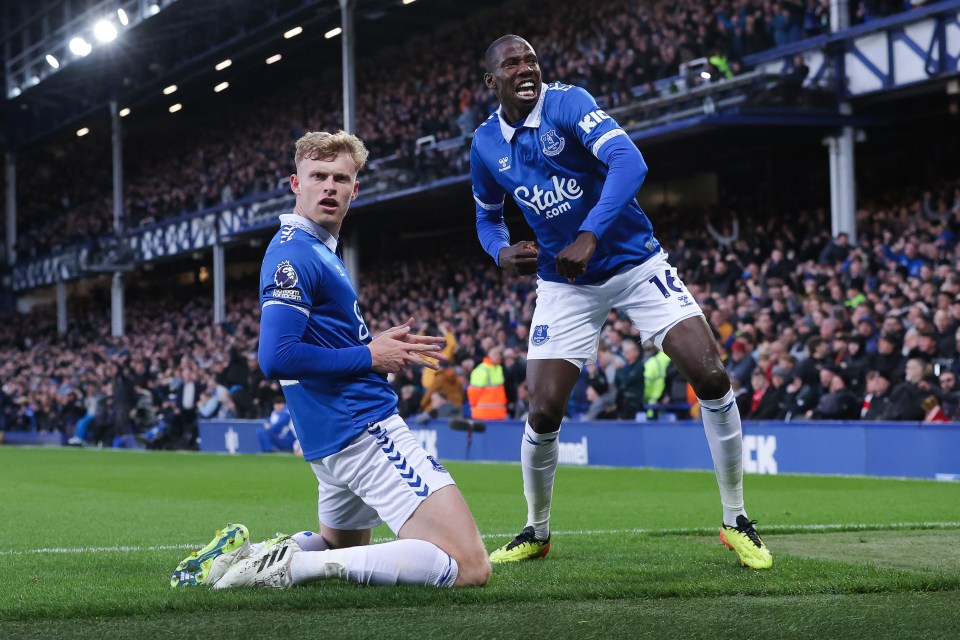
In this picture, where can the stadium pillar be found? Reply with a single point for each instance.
(349, 240)
(61, 308)
(349, 79)
(10, 171)
(843, 189)
(116, 289)
(219, 285)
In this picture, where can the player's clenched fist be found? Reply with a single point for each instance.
(572, 260)
(519, 258)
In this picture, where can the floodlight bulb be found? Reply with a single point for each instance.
(168, 90)
(124, 112)
(175, 107)
(52, 61)
(223, 65)
(274, 58)
(80, 47)
(333, 33)
(293, 32)
(220, 87)
(705, 75)
(122, 16)
(153, 9)
(82, 132)
(104, 31)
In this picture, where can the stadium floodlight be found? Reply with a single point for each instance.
(82, 132)
(80, 47)
(175, 107)
(220, 87)
(409, 1)
(274, 58)
(14, 92)
(705, 75)
(333, 33)
(223, 65)
(33, 81)
(153, 9)
(293, 32)
(124, 112)
(168, 90)
(104, 31)
(52, 61)
(122, 17)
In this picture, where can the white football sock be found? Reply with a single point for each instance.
(415, 562)
(721, 422)
(539, 453)
(310, 541)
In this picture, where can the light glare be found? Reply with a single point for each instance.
(223, 65)
(53, 62)
(104, 31)
(122, 16)
(168, 90)
(220, 87)
(82, 132)
(124, 112)
(175, 107)
(275, 58)
(80, 47)
(333, 33)
(293, 32)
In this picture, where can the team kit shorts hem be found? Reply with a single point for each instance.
(383, 475)
(568, 318)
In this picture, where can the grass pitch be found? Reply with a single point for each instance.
(88, 540)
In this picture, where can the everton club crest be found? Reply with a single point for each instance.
(552, 143)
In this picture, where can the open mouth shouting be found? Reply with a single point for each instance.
(527, 90)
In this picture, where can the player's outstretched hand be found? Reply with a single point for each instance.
(519, 258)
(391, 351)
(572, 261)
(412, 338)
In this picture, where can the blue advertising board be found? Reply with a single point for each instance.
(894, 449)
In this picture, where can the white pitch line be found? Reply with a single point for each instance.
(800, 528)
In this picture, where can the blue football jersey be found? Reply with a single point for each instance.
(550, 166)
(300, 270)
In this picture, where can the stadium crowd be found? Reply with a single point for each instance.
(430, 87)
(812, 327)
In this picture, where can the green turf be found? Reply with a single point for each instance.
(635, 553)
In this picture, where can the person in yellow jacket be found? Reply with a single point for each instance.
(654, 377)
(427, 377)
(486, 393)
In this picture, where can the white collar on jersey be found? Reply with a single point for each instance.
(532, 121)
(311, 227)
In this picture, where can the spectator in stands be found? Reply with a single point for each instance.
(839, 402)
(949, 394)
(488, 398)
(741, 363)
(655, 364)
(629, 382)
(906, 399)
(771, 403)
(277, 433)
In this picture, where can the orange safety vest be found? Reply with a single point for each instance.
(487, 395)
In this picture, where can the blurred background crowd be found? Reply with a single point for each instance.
(811, 327)
(429, 89)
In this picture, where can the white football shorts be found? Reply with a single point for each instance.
(568, 318)
(382, 476)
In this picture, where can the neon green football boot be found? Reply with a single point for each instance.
(206, 566)
(524, 547)
(744, 539)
